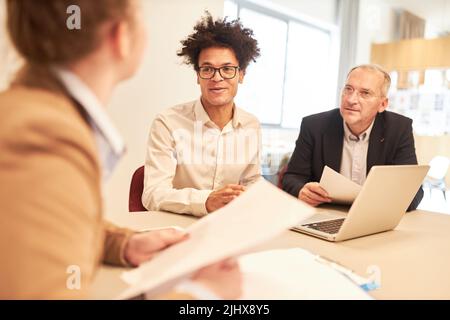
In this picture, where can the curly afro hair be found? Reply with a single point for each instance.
(220, 33)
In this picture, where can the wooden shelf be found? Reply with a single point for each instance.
(414, 54)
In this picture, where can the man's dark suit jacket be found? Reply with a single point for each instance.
(320, 143)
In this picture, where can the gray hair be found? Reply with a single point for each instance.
(378, 68)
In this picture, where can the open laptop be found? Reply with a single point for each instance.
(379, 206)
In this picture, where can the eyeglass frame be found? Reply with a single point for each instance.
(236, 68)
(359, 93)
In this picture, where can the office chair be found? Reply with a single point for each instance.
(281, 173)
(283, 168)
(435, 178)
(136, 189)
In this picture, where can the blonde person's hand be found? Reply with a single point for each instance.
(219, 198)
(313, 194)
(143, 246)
(224, 279)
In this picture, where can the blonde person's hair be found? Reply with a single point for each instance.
(378, 68)
(38, 29)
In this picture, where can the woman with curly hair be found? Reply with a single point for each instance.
(202, 154)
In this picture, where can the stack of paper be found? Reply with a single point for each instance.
(259, 214)
(295, 274)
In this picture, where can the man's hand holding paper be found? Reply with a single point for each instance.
(313, 194)
(339, 188)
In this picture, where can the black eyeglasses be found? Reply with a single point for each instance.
(226, 72)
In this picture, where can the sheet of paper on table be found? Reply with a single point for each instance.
(297, 274)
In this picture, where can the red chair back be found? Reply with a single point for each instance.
(136, 189)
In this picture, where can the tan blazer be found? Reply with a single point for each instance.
(51, 220)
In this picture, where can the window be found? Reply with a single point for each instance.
(296, 74)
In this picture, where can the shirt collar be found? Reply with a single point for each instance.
(237, 117)
(202, 115)
(93, 107)
(364, 136)
(110, 145)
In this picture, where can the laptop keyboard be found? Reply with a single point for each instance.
(330, 226)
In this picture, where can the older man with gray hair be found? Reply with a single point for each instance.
(351, 139)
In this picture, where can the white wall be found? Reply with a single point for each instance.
(162, 82)
(376, 25)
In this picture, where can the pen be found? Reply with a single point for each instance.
(364, 283)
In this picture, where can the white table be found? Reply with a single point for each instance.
(414, 259)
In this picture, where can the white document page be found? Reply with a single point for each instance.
(339, 188)
(258, 215)
(294, 274)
